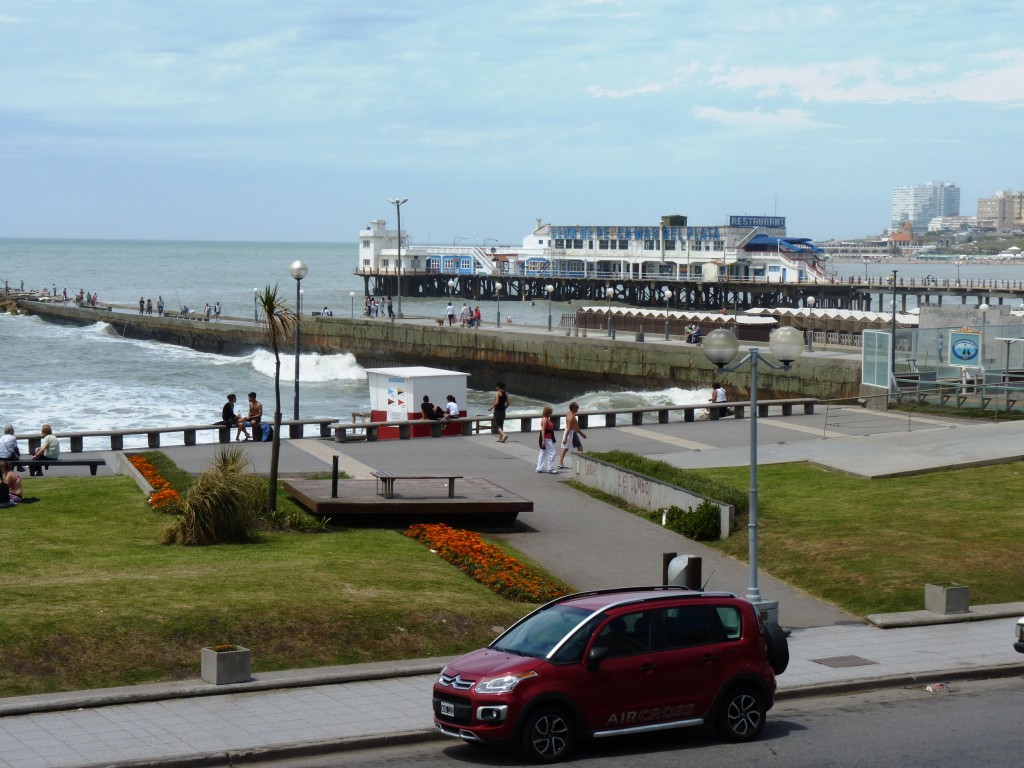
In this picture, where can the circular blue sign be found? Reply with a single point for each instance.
(965, 349)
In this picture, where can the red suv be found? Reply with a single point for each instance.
(613, 662)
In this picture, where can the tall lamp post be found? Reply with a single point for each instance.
(865, 270)
(255, 306)
(609, 292)
(550, 290)
(786, 344)
(666, 292)
(810, 331)
(497, 298)
(352, 302)
(958, 263)
(398, 202)
(892, 350)
(298, 270)
(451, 289)
(983, 308)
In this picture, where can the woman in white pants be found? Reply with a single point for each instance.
(547, 443)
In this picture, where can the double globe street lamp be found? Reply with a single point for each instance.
(298, 270)
(720, 347)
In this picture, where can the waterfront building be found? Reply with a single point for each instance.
(743, 248)
(921, 203)
(1002, 212)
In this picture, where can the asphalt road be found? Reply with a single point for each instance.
(975, 723)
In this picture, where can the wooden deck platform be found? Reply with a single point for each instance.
(477, 503)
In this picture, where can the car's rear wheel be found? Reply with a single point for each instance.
(548, 735)
(742, 714)
(778, 647)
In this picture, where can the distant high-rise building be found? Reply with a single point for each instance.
(922, 203)
(1001, 212)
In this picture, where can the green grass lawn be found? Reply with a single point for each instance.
(92, 599)
(870, 546)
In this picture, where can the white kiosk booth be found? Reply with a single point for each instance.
(396, 394)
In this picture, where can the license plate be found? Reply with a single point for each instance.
(447, 709)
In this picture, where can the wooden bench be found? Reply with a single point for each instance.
(386, 482)
(92, 464)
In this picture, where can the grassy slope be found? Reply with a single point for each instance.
(91, 599)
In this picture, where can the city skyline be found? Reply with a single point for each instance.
(267, 122)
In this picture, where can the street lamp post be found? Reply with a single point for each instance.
(497, 298)
(667, 293)
(810, 332)
(983, 308)
(451, 289)
(892, 349)
(609, 292)
(255, 305)
(958, 263)
(352, 301)
(721, 348)
(398, 202)
(550, 290)
(298, 270)
(865, 270)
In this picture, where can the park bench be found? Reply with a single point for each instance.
(92, 464)
(386, 482)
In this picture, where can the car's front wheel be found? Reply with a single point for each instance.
(742, 714)
(548, 735)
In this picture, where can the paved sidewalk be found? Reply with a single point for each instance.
(207, 724)
(587, 543)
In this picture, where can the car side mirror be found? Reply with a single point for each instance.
(596, 656)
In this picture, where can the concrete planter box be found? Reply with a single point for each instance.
(947, 598)
(642, 491)
(224, 667)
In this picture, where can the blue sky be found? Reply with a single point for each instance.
(261, 120)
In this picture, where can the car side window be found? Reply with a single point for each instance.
(732, 624)
(625, 635)
(688, 625)
(572, 649)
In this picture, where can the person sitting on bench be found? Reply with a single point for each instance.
(49, 449)
(693, 337)
(429, 410)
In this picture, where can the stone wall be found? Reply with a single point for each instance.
(535, 364)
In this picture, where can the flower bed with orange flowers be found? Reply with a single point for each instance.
(488, 564)
(163, 498)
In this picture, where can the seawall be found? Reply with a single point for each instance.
(529, 359)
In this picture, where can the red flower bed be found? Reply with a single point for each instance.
(163, 498)
(488, 564)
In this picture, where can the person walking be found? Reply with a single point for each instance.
(391, 309)
(142, 305)
(160, 306)
(572, 435)
(546, 442)
(498, 407)
(450, 314)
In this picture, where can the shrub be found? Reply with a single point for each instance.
(700, 524)
(222, 506)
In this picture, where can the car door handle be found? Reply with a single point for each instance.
(648, 667)
(707, 658)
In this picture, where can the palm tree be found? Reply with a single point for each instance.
(279, 321)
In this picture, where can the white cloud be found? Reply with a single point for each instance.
(874, 81)
(778, 121)
(624, 93)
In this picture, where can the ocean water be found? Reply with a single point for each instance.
(90, 378)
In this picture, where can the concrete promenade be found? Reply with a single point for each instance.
(585, 542)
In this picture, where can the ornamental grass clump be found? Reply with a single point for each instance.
(222, 506)
(488, 564)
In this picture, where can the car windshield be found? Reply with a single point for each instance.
(539, 633)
